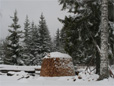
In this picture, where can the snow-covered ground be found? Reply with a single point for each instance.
(26, 79)
(11, 67)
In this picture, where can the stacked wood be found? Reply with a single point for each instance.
(52, 67)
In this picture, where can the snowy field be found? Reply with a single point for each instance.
(27, 79)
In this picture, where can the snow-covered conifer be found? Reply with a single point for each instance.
(45, 39)
(13, 55)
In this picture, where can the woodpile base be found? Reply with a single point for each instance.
(52, 67)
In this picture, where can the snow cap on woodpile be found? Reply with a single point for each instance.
(57, 55)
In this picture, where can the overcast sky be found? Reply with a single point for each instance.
(33, 8)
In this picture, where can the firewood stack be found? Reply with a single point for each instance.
(57, 66)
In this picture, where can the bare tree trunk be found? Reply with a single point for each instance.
(97, 63)
(104, 40)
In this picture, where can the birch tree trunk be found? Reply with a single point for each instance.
(104, 40)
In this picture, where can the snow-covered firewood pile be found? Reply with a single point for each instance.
(57, 64)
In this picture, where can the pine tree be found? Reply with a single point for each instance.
(26, 41)
(45, 39)
(30, 46)
(58, 42)
(27, 31)
(13, 47)
(35, 45)
(32, 55)
(33, 35)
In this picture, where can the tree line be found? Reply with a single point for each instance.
(28, 47)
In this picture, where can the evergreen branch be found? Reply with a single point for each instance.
(98, 48)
